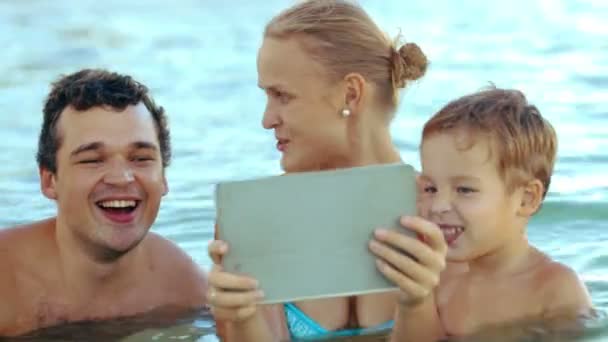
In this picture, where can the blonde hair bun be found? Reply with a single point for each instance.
(410, 64)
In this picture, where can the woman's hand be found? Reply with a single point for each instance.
(232, 297)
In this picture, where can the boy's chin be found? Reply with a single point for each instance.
(457, 255)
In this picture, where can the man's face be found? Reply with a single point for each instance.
(109, 179)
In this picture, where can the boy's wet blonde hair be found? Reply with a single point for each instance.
(525, 142)
(343, 38)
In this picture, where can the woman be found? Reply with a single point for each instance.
(332, 79)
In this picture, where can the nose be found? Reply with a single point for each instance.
(271, 118)
(441, 203)
(119, 174)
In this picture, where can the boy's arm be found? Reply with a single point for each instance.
(417, 323)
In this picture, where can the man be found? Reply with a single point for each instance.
(103, 149)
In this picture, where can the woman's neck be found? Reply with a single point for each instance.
(375, 147)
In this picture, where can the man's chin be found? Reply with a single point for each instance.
(115, 249)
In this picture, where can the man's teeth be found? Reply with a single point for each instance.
(118, 204)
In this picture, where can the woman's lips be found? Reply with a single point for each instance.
(282, 144)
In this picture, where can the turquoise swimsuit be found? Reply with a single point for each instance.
(302, 327)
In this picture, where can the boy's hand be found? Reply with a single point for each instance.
(232, 297)
(411, 264)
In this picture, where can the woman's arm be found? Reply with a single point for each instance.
(234, 302)
(267, 324)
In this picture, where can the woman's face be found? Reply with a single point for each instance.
(303, 107)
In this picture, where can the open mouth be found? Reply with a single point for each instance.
(119, 211)
(282, 144)
(451, 232)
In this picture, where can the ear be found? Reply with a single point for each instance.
(47, 183)
(531, 199)
(355, 89)
(165, 185)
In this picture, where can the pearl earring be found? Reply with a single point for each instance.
(345, 112)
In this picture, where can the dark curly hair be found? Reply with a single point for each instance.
(90, 88)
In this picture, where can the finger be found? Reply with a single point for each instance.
(416, 249)
(233, 299)
(229, 281)
(216, 250)
(230, 314)
(405, 264)
(407, 285)
(431, 231)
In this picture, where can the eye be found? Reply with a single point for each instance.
(283, 97)
(90, 161)
(430, 189)
(142, 159)
(465, 190)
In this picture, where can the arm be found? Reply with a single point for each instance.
(267, 324)
(417, 322)
(234, 301)
(415, 267)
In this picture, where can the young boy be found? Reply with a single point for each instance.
(487, 160)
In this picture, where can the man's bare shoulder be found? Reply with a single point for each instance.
(8, 295)
(563, 291)
(179, 268)
(30, 234)
(8, 286)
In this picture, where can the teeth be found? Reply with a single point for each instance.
(452, 230)
(117, 204)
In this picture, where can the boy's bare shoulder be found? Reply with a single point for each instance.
(177, 266)
(563, 291)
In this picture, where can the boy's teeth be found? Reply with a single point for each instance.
(452, 230)
(118, 204)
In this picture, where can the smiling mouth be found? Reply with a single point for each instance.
(451, 232)
(118, 207)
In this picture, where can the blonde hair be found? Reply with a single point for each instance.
(344, 39)
(526, 143)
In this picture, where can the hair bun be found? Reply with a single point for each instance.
(409, 64)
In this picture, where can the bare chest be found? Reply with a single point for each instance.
(43, 306)
(465, 307)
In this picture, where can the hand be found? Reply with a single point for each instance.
(413, 265)
(232, 297)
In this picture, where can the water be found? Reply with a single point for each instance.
(198, 57)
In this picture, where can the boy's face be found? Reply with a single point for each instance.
(465, 195)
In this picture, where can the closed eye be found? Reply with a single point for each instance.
(89, 161)
(143, 159)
